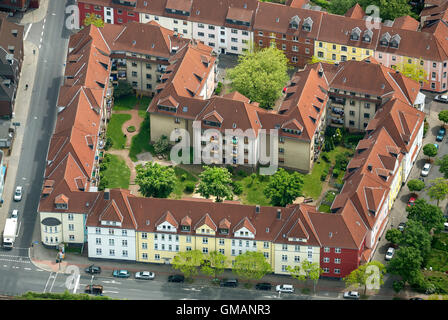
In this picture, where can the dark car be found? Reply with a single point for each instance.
(176, 278)
(401, 226)
(233, 283)
(93, 269)
(121, 273)
(263, 286)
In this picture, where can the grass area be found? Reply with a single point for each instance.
(115, 173)
(60, 296)
(438, 256)
(140, 142)
(115, 132)
(325, 208)
(253, 189)
(183, 178)
(312, 186)
(129, 102)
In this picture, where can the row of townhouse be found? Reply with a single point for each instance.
(11, 59)
(232, 26)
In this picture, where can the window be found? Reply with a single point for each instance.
(266, 255)
(283, 46)
(71, 237)
(70, 216)
(266, 245)
(294, 59)
(234, 48)
(157, 256)
(111, 252)
(175, 21)
(111, 242)
(204, 250)
(337, 260)
(98, 251)
(326, 260)
(294, 48)
(344, 48)
(366, 115)
(221, 242)
(351, 122)
(234, 31)
(97, 230)
(124, 233)
(260, 42)
(211, 36)
(221, 251)
(71, 227)
(326, 270)
(200, 34)
(337, 271)
(144, 256)
(188, 239)
(211, 27)
(284, 247)
(284, 268)
(434, 64)
(125, 253)
(295, 39)
(337, 250)
(233, 252)
(204, 240)
(144, 235)
(433, 75)
(247, 244)
(333, 57)
(352, 113)
(307, 51)
(124, 243)
(200, 25)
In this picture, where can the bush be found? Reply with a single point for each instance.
(218, 89)
(306, 290)
(425, 128)
(183, 177)
(335, 173)
(325, 157)
(237, 188)
(189, 187)
(131, 129)
(108, 143)
(398, 286)
(323, 177)
(242, 173)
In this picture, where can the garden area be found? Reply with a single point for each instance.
(114, 173)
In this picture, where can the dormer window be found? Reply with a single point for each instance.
(294, 22)
(356, 34)
(385, 40)
(185, 228)
(395, 41)
(223, 231)
(368, 34)
(307, 24)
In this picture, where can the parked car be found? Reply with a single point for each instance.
(94, 289)
(416, 298)
(176, 278)
(263, 286)
(440, 134)
(284, 288)
(425, 170)
(411, 201)
(121, 273)
(401, 226)
(18, 193)
(441, 98)
(390, 253)
(93, 269)
(15, 213)
(351, 295)
(233, 283)
(145, 275)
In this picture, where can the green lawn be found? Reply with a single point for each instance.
(125, 103)
(253, 190)
(140, 142)
(116, 173)
(114, 130)
(183, 177)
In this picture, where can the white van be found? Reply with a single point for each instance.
(15, 214)
(284, 288)
(446, 226)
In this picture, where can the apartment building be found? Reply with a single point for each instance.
(110, 11)
(356, 98)
(18, 5)
(72, 159)
(11, 58)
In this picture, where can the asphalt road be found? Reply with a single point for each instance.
(51, 36)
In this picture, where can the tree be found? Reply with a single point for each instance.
(122, 89)
(251, 265)
(413, 71)
(188, 262)
(388, 9)
(430, 150)
(406, 263)
(155, 180)
(92, 19)
(415, 235)
(260, 76)
(394, 236)
(306, 271)
(443, 116)
(215, 182)
(438, 190)
(443, 163)
(162, 145)
(416, 185)
(284, 188)
(365, 275)
(214, 264)
(429, 215)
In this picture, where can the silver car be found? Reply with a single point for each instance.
(390, 253)
(18, 193)
(145, 275)
(425, 170)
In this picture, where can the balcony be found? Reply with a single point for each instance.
(161, 68)
(338, 100)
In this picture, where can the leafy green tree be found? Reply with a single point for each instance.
(406, 263)
(260, 76)
(443, 163)
(251, 265)
(123, 89)
(188, 262)
(217, 182)
(415, 235)
(284, 188)
(443, 116)
(394, 236)
(214, 264)
(364, 275)
(306, 271)
(438, 189)
(429, 215)
(162, 145)
(430, 150)
(388, 9)
(416, 185)
(413, 71)
(155, 180)
(92, 19)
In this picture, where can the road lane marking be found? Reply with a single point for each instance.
(106, 291)
(54, 281)
(27, 31)
(77, 283)
(49, 277)
(28, 269)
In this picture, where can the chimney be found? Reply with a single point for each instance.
(257, 209)
(369, 167)
(107, 194)
(279, 214)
